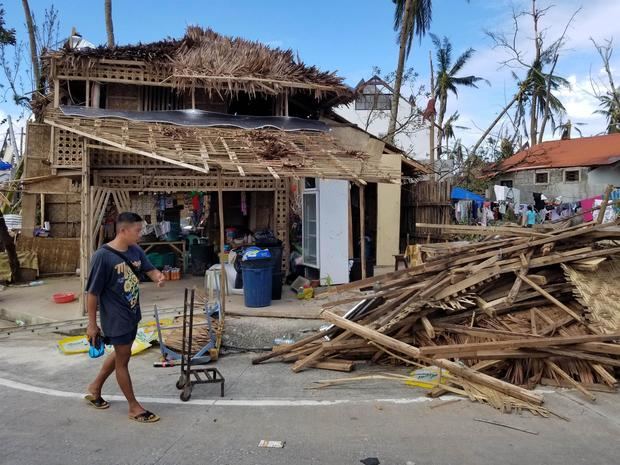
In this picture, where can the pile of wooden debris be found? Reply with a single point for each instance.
(501, 316)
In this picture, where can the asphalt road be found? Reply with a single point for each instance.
(44, 420)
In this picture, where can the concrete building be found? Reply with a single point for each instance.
(573, 169)
(371, 109)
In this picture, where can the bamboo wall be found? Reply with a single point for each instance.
(424, 202)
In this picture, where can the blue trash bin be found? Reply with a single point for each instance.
(257, 268)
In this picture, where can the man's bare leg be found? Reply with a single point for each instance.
(123, 354)
(104, 373)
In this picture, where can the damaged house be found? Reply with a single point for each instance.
(220, 135)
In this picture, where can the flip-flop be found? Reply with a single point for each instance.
(96, 402)
(145, 417)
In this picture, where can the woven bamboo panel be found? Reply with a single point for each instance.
(113, 159)
(68, 149)
(139, 73)
(282, 216)
(161, 182)
(599, 293)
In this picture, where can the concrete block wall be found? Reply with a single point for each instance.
(591, 183)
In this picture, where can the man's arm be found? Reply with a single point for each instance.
(157, 277)
(91, 306)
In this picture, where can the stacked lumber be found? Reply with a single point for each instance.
(500, 315)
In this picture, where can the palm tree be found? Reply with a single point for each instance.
(411, 18)
(447, 81)
(536, 97)
(109, 27)
(34, 56)
(611, 110)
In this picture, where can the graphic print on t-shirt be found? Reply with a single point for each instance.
(130, 283)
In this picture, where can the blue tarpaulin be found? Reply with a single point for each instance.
(459, 193)
(4, 166)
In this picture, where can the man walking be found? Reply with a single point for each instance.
(113, 286)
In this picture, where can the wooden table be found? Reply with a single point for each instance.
(176, 246)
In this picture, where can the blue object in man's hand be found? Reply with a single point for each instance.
(97, 347)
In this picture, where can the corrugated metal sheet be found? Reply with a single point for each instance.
(200, 118)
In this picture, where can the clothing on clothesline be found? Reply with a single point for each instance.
(539, 204)
(588, 204)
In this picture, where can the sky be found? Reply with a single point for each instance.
(351, 37)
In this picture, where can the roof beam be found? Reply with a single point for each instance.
(233, 157)
(120, 146)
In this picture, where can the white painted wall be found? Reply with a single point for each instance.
(604, 175)
(414, 143)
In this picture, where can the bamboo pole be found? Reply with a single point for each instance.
(601, 213)
(362, 232)
(85, 230)
(220, 206)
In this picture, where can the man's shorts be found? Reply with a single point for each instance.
(123, 339)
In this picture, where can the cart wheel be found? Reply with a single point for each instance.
(186, 394)
(181, 382)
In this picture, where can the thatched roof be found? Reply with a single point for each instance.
(204, 58)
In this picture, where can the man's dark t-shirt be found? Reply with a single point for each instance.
(117, 289)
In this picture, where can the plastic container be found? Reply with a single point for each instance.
(275, 249)
(156, 259)
(64, 297)
(276, 286)
(257, 282)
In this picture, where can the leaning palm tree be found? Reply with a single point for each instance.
(447, 81)
(411, 18)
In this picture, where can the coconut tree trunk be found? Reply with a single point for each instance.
(495, 121)
(109, 26)
(399, 72)
(9, 247)
(536, 92)
(32, 38)
(443, 103)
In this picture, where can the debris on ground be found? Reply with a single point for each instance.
(498, 317)
(271, 444)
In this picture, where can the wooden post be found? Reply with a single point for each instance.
(42, 211)
(87, 101)
(85, 235)
(362, 232)
(601, 212)
(220, 207)
(56, 93)
(351, 253)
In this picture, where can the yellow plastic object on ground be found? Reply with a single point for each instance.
(428, 377)
(306, 294)
(73, 345)
(147, 333)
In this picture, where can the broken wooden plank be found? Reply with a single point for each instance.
(529, 343)
(454, 368)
